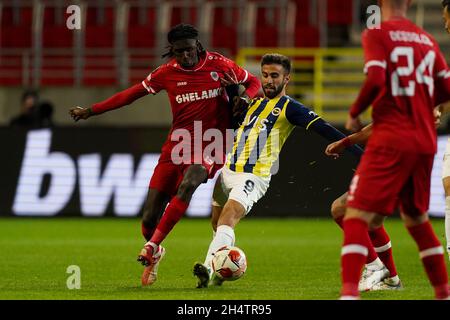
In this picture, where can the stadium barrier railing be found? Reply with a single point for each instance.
(325, 79)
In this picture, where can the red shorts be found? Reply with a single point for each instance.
(167, 175)
(387, 177)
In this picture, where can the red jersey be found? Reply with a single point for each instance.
(414, 69)
(197, 94)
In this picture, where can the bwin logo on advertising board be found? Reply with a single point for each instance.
(96, 190)
(119, 179)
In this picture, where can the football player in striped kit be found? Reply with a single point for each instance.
(249, 166)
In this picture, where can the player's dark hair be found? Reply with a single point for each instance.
(276, 58)
(181, 32)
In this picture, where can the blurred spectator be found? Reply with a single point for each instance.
(34, 113)
(44, 114)
(27, 116)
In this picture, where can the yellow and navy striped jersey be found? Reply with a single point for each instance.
(267, 125)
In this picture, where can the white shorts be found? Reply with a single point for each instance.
(245, 188)
(446, 163)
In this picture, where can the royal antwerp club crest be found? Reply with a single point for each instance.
(214, 76)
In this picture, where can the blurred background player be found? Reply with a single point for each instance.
(379, 272)
(193, 79)
(404, 67)
(445, 108)
(446, 14)
(246, 175)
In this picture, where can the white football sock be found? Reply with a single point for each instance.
(447, 222)
(224, 236)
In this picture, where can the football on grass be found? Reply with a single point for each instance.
(229, 263)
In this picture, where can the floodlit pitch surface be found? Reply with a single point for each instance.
(287, 259)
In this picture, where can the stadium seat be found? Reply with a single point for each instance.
(302, 13)
(339, 12)
(57, 41)
(15, 39)
(306, 36)
(224, 31)
(141, 41)
(142, 27)
(266, 27)
(16, 24)
(183, 14)
(99, 61)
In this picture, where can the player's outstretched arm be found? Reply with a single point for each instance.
(299, 115)
(330, 133)
(336, 148)
(118, 100)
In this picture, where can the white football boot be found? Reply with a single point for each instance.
(371, 276)
(393, 283)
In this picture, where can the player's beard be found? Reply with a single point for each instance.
(273, 92)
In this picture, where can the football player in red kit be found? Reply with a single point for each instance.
(195, 81)
(380, 272)
(404, 68)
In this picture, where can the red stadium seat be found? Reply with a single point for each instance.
(16, 24)
(266, 28)
(339, 12)
(142, 41)
(100, 22)
(302, 13)
(307, 36)
(183, 15)
(142, 28)
(99, 61)
(224, 31)
(57, 64)
(15, 39)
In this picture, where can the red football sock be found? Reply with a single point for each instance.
(382, 243)
(173, 213)
(147, 232)
(371, 255)
(432, 255)
(353, 254)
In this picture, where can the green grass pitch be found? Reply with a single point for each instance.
(287, 259)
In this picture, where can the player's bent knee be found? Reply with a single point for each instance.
(187, 189)
(377, 222)
(411, 220)
(337, 209)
